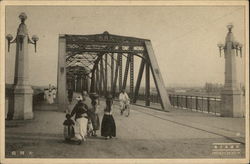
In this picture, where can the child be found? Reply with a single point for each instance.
(108, 128)
(68, 128)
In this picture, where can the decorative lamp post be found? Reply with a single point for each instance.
(22, 88)
(231, 94)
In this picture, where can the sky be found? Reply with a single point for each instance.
(184, 38)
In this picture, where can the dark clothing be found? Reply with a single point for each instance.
(108, 128)
(107, 109)
(68, 122)
(70, 95)
(80, 110)
(69, 131)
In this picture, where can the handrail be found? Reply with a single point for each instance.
(206, 104)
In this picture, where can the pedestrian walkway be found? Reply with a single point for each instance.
(146, 133)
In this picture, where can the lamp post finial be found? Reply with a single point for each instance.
(23, 17)
(230, 26)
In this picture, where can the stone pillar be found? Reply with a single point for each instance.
(9, 106)
(231, 94)
(23, 92)
(61, 74)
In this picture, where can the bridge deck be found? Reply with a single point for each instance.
(146, 133)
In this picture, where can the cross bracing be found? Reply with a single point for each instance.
(104, 64)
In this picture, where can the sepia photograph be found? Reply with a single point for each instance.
(124, 82)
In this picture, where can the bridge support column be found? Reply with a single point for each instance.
(97, 89)
(112, 72)
(83, 83)
(22, 90)
(159, 83)
(116, 76)
(73, 83)
(23, 93)
(231, 94)
(147, 85)
(138, 82)
(125, 78)
(61, 74)
(132, 77)
(120, 72)
(105, 80)
(101, 77)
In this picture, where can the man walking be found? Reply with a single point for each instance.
(124, 101)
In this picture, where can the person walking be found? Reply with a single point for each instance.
(81, 119)
(50, 97)
(94, 117)
(108, 127)
(124, 100)
(87, 101)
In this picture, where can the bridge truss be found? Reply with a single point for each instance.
(94, 63)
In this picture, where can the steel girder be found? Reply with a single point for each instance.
(89, 51)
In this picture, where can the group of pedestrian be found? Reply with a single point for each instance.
(50, 94)
(86, 121)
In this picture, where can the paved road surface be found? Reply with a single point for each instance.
(141, 135)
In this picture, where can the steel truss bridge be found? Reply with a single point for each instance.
(103, 63)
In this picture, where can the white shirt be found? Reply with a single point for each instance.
(53, 93)
(123, 96)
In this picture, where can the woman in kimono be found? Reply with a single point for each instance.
(108, 128)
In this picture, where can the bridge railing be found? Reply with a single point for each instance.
(206, 104)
